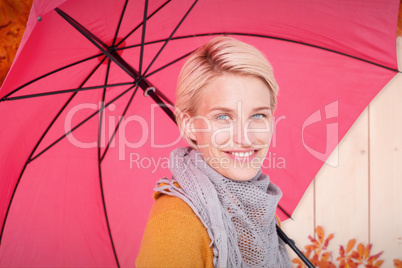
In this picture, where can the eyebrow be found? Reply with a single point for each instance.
(225, 109)
(262, 108)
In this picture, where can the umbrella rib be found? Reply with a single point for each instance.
(170, 37)
(109, 52)
(50, 73)
(118, 25)
(80, 124)
(101, 114)
(112, 54)
(80, 28)
(144, 26)
(139, 25)
(118, 124)
(101, 111)
(37, 145)
(64, 91)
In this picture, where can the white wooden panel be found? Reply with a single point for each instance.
(342, 191)
(386, 172)
(362, 197)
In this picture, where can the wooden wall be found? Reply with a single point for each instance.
(361, 198)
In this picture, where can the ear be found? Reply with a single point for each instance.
(187, 124)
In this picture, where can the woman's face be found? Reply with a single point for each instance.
(232, 127)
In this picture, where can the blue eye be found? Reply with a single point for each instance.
(258, 116)
(222, 117)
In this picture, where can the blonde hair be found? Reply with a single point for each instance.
(221, 55)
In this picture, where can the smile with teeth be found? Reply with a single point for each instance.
(242, 154)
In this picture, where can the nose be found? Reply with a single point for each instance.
(241, 134)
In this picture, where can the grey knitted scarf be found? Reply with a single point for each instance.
(239, 215)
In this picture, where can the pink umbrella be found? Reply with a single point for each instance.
(83, 140)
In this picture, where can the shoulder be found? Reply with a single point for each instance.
(166, 204)
(174, 236)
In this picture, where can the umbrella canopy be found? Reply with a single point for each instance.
(83, 141)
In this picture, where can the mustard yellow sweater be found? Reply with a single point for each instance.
(174, 237)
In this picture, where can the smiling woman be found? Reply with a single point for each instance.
(218, 210)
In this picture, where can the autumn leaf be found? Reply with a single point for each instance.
(354, 256)
(374, 257)
(378, 263)
(320, 233)
(327, 241)
(397, 263)
(325, 256)
(350, 245)
(367, 252)
(320, 257)
(361, 249)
